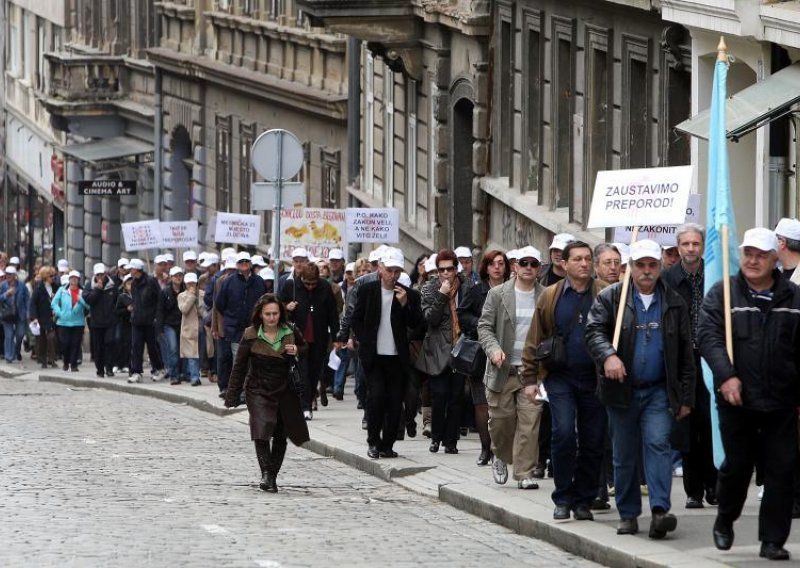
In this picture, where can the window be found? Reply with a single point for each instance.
(247, 135)
(388, 146)
(223, 160)
(562, 103)
(598, 110)
(635, 102)
(41, 48)
(248, 7)
(411, 151)
(369, 124)
(331, 170)
(275, 9)
(504, 115)
(532, 104)
(432, 101)
(13, 42)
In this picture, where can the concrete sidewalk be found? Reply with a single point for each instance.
(455, 479)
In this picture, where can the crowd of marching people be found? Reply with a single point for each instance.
(558, 368)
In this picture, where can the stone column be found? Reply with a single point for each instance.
(92, 220)
(74, 215)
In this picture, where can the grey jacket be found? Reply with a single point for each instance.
(347, 313)
(496, 331)
(435, 353)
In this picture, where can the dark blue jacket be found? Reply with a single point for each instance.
(235, 301)
(144, 292)
(21, 297)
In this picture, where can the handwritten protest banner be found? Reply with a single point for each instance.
(142, 235)
(235, 228)
(179, 234)
(317, 230)
(365, 225)
(662, 234)
(647, 196)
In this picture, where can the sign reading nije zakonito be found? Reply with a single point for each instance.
(366, 225)
(647, 196)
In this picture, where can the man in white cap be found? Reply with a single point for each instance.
(553, 272)
(513, 256)
(101, 296)
(258, 263)
(118, 273)
(144, 302)
(14, 300)
(383, 313)
(464, 256)
(336, 262)
(168, 324)
(63, 266)
(170, 258)
(669, 255)
(757, 392)
(645, 384)
(190, 262)
(161, 271)
(788, 233)
(375, 257)
(300, 258)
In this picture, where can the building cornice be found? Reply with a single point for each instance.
(714, 15)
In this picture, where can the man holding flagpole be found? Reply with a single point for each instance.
(757, 392)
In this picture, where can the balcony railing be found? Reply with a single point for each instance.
(85, 77)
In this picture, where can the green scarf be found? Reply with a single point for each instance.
(283, 331)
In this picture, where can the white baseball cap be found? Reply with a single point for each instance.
(126, 278)
(10, 269)
(645, 248)
(202, 256)
(209, 259)
(405, 280)
(350, 267)
(159, 259)
(175, 270)
(667, 247)
(336, 254)
(760, 238)
(430, 264)
(267, 274)
(374, 256)
(788, 229)
(228, 251)
(99, 268)
(72, 274)
(258, 260)
(463, 252)
(393, 258)
(169, 257)
(63, 265)
(64, 279)
(561, 240)
(122, 262)
(513, 254)
(189, 255)
(529, 252)
(243, 257)
(190, 278)
(299, 252)
(136, 264)
(13, 260)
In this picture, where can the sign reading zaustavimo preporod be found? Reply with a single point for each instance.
(365, 225)
(647, 196)
(235, 228)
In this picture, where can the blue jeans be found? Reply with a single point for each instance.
(646, 424)
(224, 363)
(340, 376)
(12, 340)
(578, 438)
(168, 342)
(193, 369)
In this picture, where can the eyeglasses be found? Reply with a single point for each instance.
(443, 269)
(525, 263)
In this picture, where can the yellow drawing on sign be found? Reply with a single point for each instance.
(325, 233)
(297, 232)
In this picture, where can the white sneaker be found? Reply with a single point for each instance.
(678, 471)
(760, 492)
(528, 483)
(499, 471)
(307, 415)
(135, 378)
(115, 370)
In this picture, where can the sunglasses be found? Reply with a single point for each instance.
(525, 263)
(443, 269)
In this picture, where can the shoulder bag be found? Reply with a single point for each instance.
(467, 357)
(552, 351)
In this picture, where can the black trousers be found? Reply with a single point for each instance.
(311, 369)
(699, 473)
(142, 335)
(746, 434)
(102, 349)
(71, 338)
(386, 389)
(447, 390)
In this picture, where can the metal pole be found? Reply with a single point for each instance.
(276, 218)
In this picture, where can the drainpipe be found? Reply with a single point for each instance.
(158, 126)
(353, 108)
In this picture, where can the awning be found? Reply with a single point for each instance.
(754, 106)
(109, 149)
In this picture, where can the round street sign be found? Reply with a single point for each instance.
(277, 151)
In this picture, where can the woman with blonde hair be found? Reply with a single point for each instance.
(41, 316)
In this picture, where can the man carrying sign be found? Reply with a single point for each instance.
(645, 382)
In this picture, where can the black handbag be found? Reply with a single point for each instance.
(467, 358)
(296, 378)
(8, 310)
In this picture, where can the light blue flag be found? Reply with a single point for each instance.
(719, 212)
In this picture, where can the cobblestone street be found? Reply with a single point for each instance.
(97, 478)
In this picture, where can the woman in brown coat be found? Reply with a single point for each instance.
(265, 354)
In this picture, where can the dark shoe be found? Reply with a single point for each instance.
(323, 397)
(538, 472)
(411, 429)
(373, 452)
(101, 374)
(175, 382)
(265, 482)
(561, 512)
(360, 405)
(772, 551)
(74, 369)
(723, 535)
(273, 486)
(600, 505)
(582, 513)
(711, 496)
(338, 395)
(223, 393)
(463, 431)
(388, 454)
(628, 526)
(661, 523)
(694, 503)
(196, 383)
(434, 447)
(485, 457)
(364, 424)
(450, 450)
(109, 374)
(65, 367)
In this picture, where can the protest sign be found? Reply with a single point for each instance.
(318, 230)
(662, 234)
(365, 225)
(647, 196)
(179, 234)
(236, 228)
(142, 235)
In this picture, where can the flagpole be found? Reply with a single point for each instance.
(623, 297)
(722, 55)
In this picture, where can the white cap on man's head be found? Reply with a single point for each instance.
(189, 255)
(64, 279)
(202, 256)
(227, 251)
(208, 260)
(529, 252)
(136, 264)
(243, 256)
(760, 238)
(404, 279)
(267, 274)
(175, 270)
(72, 274)
(645, 248)
(374, 256)
(14, 260)
(350, 267)
(159, 259)
(513, 254)
(430, 264)
(122, 262)
(336, 254)
(258, 260)
(63, 265)
(190, 278)
(393, 258)
(788, 229)
(561, 240)
(463, 252)
(299, 252)
(11, 269)
(98, 268)
(169, 257)
(126, 278)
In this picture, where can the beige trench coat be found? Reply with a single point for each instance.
(190, 325)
